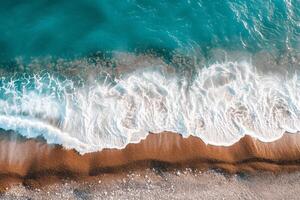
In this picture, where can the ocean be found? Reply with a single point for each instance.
(67, 28)
(172, 99)
(91, 74)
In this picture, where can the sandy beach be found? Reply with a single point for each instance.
(34, 163)
(167, 184)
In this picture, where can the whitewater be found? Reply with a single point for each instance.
(219, 103)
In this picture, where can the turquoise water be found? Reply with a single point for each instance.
(102, 74)
(77, 27)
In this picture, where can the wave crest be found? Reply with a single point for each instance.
(220, 104)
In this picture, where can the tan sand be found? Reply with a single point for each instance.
(23, 160)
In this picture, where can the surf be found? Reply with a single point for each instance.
(219, 103)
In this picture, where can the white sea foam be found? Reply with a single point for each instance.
(220, 104)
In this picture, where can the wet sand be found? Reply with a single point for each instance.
(34, 163)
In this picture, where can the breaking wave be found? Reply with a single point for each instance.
(219, 103)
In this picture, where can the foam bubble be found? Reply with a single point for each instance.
(219, 104)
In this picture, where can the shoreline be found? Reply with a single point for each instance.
(35, 163)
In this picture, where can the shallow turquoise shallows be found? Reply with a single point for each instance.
(65, 27)
(99, 74)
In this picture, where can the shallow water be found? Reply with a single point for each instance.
(34, 28)
(93, 75)
(219, 103)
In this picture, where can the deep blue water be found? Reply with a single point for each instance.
(78, 27)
